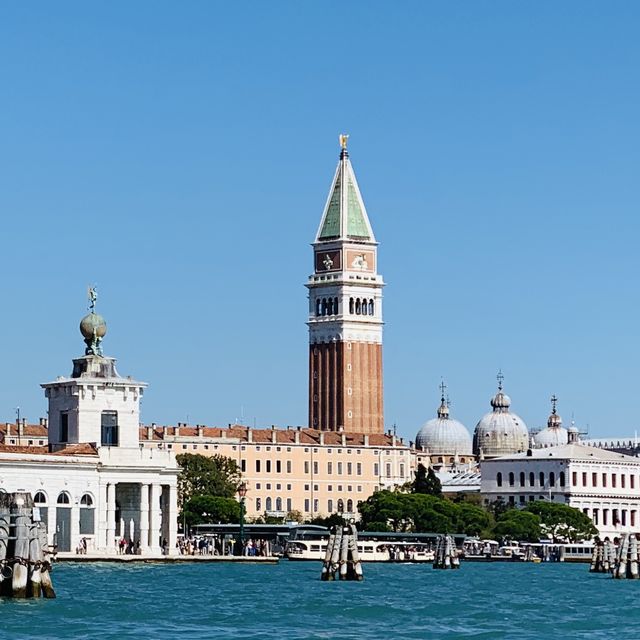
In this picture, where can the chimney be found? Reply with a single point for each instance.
(393, 440)
(366, 439)
(176, 430)
(200, 431)
(321, 438)
(274, 434)
(297, 438)
(343, 439)
(249, 435)
(21, 428)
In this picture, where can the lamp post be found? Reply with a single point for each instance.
(242, 492)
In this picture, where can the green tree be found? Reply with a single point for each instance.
(333, 520)
(518, 525)
(562, 522)
(385, 506)
(426, 482)
(473, 519)
(208, 476)
(205, 509)
(295, 516)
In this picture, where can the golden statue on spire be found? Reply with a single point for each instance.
(344, 138)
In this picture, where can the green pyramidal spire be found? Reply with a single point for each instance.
(345, 216)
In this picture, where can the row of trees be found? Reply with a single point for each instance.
(207, 488)
(420, 507)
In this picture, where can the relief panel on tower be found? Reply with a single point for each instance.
(361, 260)
(328, 261)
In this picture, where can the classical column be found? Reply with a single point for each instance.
(111, 516)
(156, 518)
(144, 518)
(173, 519)
(75, 526)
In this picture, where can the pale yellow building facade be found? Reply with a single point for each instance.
(314, 472)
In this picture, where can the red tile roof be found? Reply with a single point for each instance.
(265, 436)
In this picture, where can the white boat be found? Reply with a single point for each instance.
(369, 551)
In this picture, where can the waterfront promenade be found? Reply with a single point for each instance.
(162, 559)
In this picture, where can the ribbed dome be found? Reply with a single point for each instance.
(500, 432)
(444, 435)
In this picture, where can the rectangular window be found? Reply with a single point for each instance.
(87, 521)
(402, 470)
(257, 466)
(595, 516)
(258, 485)
(288, 487)
(315, 468)
(258, 504)
(64, 426)
(574, 478)
(243, 465)
(376, 469)
(330, 506)
(633, 516)
(359, 488)
(315, 505)
(623, 480)
(359, 468)
(306, 487)
(288, 466)
(339, 468)
(329, 468)
(306, 505)
(349, 469)
(632, 481)
(268, 466)
(388, 470)
(289, 504)
(268, 486)
(109, 422)
(613, 479)
(315, 487)
(594, 479)
(278, 487)
(604, 483)
(306, 467)
(605, 516)
(584, 478)
(278, 466)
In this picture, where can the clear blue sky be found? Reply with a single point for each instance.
(179, 156)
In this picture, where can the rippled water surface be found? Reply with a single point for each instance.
(288, 601)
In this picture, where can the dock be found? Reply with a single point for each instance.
(162, 559)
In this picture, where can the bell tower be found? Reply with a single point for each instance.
(345, 313)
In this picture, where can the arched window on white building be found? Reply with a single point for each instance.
(87, 515)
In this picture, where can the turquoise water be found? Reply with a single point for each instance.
(288, 600)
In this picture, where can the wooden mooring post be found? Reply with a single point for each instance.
(342, 555)
(626, 562)
(603, 558)
(24, 565)
(446, 554)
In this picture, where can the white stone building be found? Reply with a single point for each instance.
(602, 484)
(94, 480)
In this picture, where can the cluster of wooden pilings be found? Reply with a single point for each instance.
(24, 563)
(603, 559)
(342, 557)
(626, 565)
(446, 553)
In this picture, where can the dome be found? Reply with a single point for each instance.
(555, 434)
(93, 324)
(444, 435)
(500, 432)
